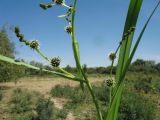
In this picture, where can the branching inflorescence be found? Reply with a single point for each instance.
(115, 83)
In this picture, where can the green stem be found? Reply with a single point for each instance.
(46, 58)
(43, 55)
(77, 59)
(110, 89)
(110, 96)
(94, 100)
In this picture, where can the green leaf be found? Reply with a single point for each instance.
(117, 96)
(12, 61)
(112, 113)
(137, 43)
(131, 20)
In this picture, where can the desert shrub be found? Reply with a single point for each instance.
(133, 105)
(62, 91)
(144, 84)
(21, 101)
(136, 107)
(45, 109)
(62, 114)
(75, 94)
(80, 96)
(102, 93)
(27, 105)
(26, 116)
(21, 105)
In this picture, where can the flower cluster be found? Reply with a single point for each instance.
(67, 15)
(45, 6)
(68, 29)
(59, 2)
(34, 44)
(55, 62)
(110, 82)
(112, 56)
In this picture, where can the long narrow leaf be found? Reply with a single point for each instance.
(12, 61)
(137, 42)
(116, 99)
(131, 20)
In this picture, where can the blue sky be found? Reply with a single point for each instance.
(99, 26)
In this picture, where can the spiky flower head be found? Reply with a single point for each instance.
(110, 82)
(59, 2)
(55, 62)
(112, 56)
(34, 44)
(68, 29)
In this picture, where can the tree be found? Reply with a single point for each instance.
(7, 48)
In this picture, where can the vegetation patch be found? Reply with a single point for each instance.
(27, 105)
(134, 106)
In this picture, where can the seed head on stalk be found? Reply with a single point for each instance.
(59, 2)
(110, 82)
(68, 29)
(45, 6)
(55, 62)
(34, 44)
(112, 56)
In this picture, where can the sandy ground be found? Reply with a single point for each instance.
(42, 84)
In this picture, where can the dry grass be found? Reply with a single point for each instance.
(43, 84)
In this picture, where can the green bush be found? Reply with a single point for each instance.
(144, 84)
(45, 109)
(21, 101)
(62, 114)
(25, 116)
(22, 105)
(76, 95)
(102, 93)
(62, 91)
(80, 96)
(136, 107)
(28, 105)
(133, 105)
